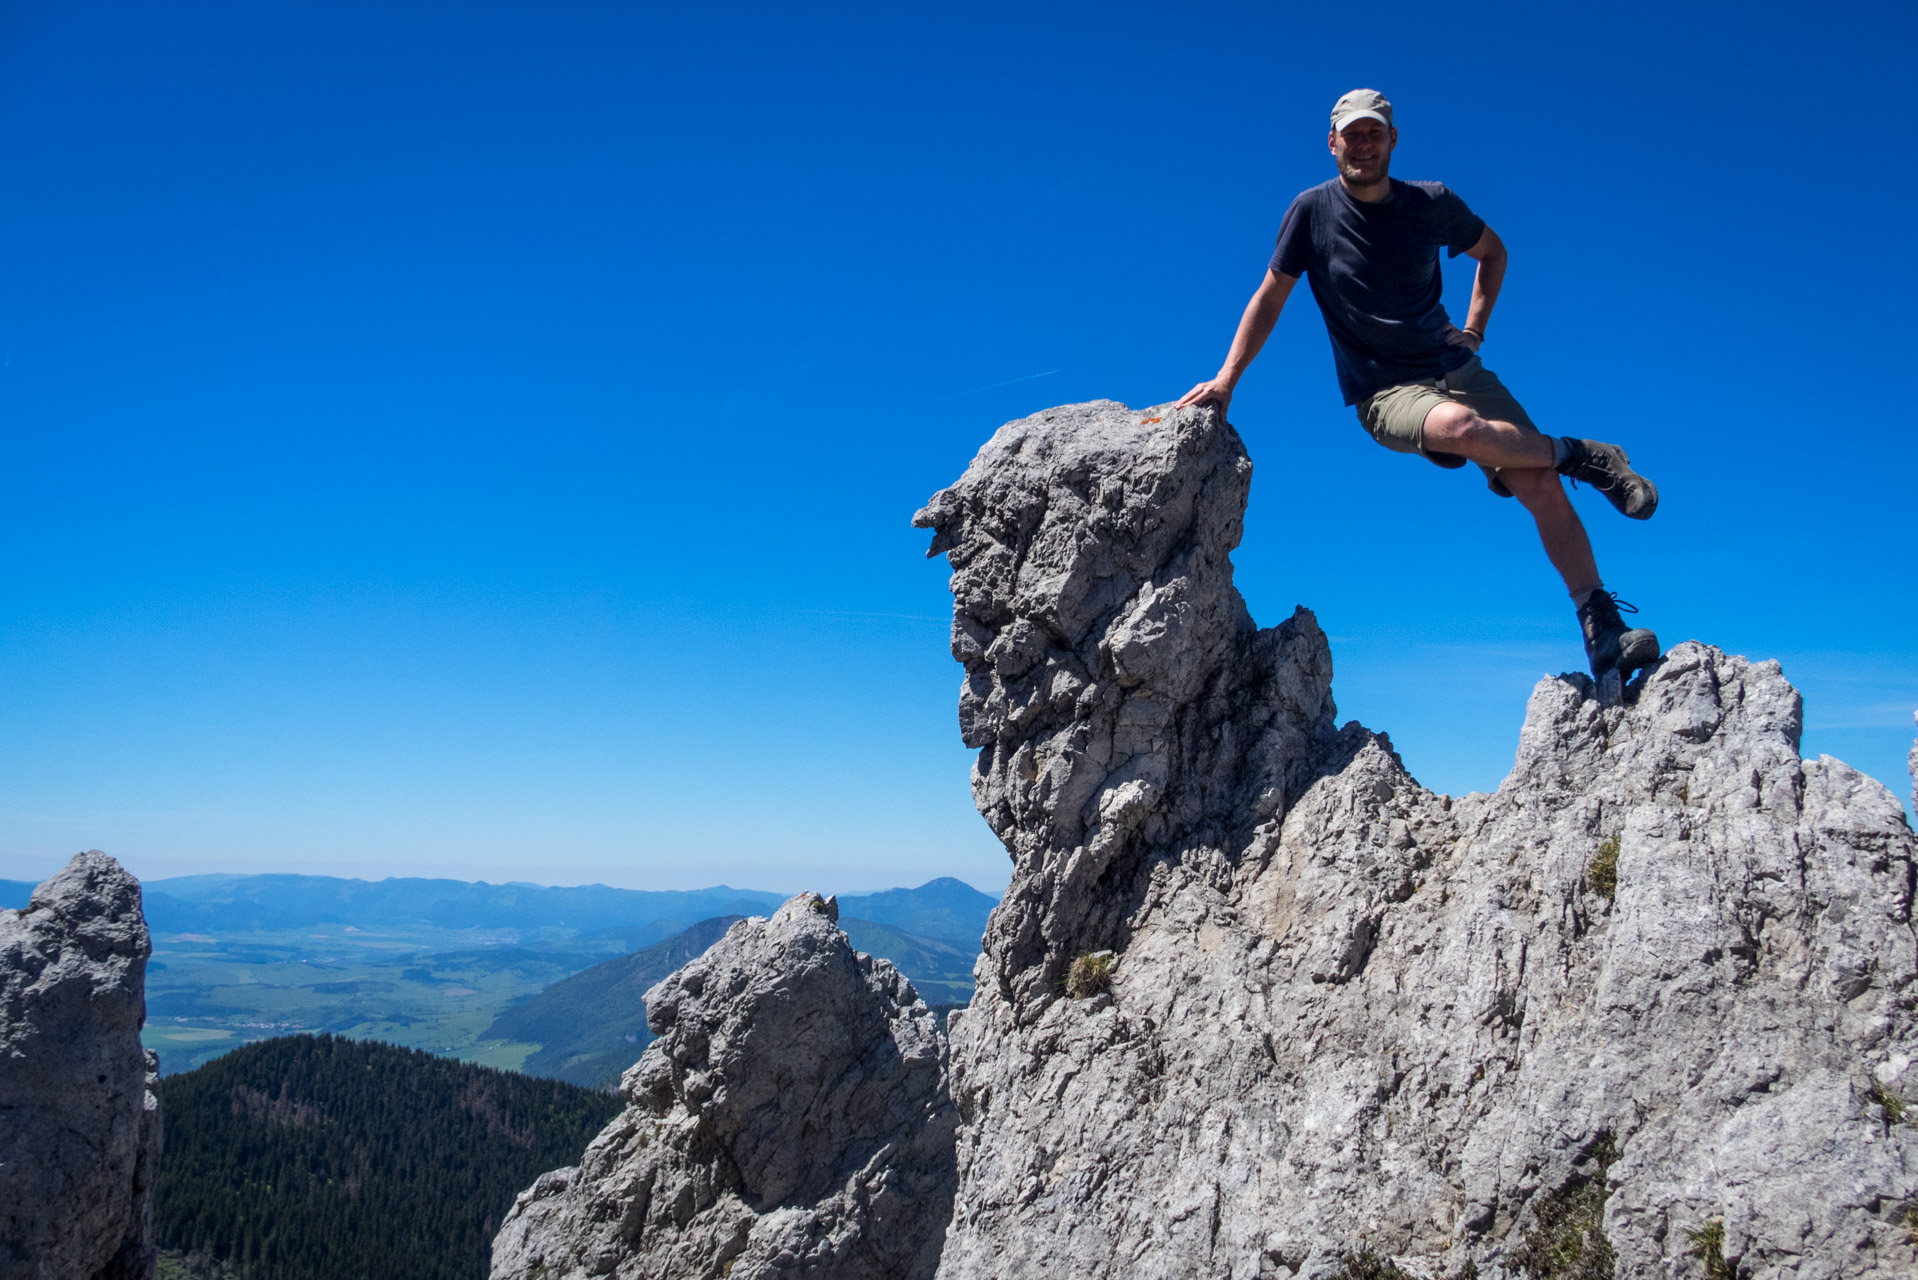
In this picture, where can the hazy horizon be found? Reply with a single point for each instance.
(53, 865)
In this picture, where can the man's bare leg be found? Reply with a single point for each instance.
(1542, 493)
(1525, 462)
(1453, 428)
(1525, 459)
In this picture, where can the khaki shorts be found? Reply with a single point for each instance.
(1395, 417)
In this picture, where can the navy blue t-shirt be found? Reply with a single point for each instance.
(1374, 269)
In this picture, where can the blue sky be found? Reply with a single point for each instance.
(479, 438)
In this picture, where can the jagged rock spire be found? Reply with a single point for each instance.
(1649, 1002)
(79, 1111)
(792, 1118)
(1117, 690)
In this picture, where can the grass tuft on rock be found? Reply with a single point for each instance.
(1708, 1246)
(1091, 973)
(174, 1264)
(1601, 873)
(1567, 1238)
(1366, 1265)
(1892, 1107)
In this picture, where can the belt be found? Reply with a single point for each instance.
(1441, 382)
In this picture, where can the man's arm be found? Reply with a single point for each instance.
(1255, 326)
(1490, 254)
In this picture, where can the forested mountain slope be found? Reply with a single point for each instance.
(949, 910)
(316, 1158)
(941, 971)
(592, 1026)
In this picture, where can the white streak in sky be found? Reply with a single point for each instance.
(993, 386)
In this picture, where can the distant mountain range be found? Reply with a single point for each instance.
(948, 910)
(517, 975)
(264, 903)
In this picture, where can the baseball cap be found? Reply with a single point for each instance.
(1361, 104)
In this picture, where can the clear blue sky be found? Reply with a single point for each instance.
(479, 438)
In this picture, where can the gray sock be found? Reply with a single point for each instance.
(1560, 451)
(1582, 594)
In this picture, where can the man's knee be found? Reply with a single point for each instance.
(1449, 425)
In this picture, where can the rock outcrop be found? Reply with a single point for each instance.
(792, 1119)
(79, 1111)
(1257, 1004)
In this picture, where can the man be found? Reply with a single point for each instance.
(1369, 244)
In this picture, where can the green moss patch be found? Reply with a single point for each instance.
(1601, 873)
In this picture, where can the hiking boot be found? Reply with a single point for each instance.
(1609, 646)
(1606, 468)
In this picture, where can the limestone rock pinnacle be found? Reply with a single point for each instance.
(792, 1118)
(79, 1109)
(1647, 1010)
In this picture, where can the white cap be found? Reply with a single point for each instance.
(1361, 104)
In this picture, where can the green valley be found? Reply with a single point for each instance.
(473, 971)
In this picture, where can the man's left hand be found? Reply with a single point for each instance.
(1460, 338)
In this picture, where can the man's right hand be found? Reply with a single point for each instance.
(1214, 390)
(1255, 326)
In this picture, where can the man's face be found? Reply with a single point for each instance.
(1363, 150)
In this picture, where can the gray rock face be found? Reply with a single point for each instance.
(792, 1119)
(79, 1114)
(1645, 1011)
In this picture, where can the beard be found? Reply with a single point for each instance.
(1365, 173)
